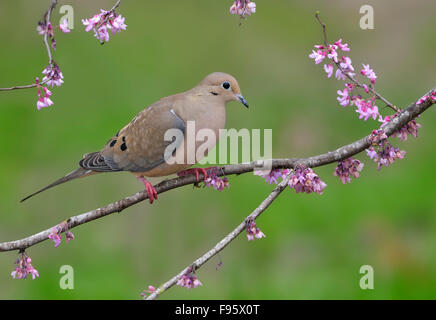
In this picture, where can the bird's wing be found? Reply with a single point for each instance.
(140, 146)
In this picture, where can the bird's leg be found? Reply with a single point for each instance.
(151, 191)
(195, 171)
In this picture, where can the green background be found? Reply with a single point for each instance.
(315, 245)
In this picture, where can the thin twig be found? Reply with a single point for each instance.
(19, 87)
(116, 5)
(339, 154)
(47, 17)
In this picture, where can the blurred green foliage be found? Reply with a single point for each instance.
(315, 244)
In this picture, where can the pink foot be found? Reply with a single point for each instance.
(195, 171)
(151, 191)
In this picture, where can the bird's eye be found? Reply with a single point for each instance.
(226, 85)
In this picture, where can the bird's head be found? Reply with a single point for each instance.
(224, 86)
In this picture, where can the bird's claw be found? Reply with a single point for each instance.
(151, 191)
(195, 171)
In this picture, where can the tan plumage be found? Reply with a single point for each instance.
(140, 146)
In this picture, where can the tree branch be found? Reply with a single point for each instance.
(341, 153)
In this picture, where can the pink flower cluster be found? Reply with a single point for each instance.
(104, 21)
(56, 234)
(344, 69)
(64, 26)
(431, 97)
(243, 8)
(272, 176)
(150, 290)
(410, 128)
(348, 168)
(189, 280)
(24, 267)
(306, 180)
(253, 232)
(53, 75)
(369, 73)
(382, 151)
(216, 182)
(43, 100)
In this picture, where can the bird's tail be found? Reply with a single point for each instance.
(78, 173)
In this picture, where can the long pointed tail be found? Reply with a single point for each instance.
(78, 173)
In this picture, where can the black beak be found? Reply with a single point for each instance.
(242, 99)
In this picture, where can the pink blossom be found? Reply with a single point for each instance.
(346, 65)
(104, 21)
(377, 136)
(189, 280)
(243, 8)
(55, 236)
(64, 26)
(101, 34)
(253, 232)
(384, 120)
(431, 97)
(371, 152)
(118, 24)
(409, 128)
(43, 100)
(53, 75)
(385, 154)
(318, 56)
(339, 75)
(328, 69)
(306, 180)
(69, 236)
(348, 168)
(368, 72)
(24, 267)
(216, 182)
(56, 233)
(343, 98)
(342, 46)
(91, 22)
(272, 176)
(45, 27)
(150, 290)
(333, 54)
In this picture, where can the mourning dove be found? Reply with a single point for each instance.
(140, 147)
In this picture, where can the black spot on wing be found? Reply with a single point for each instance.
(96, 162)
(123, 147)
(113, 143)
